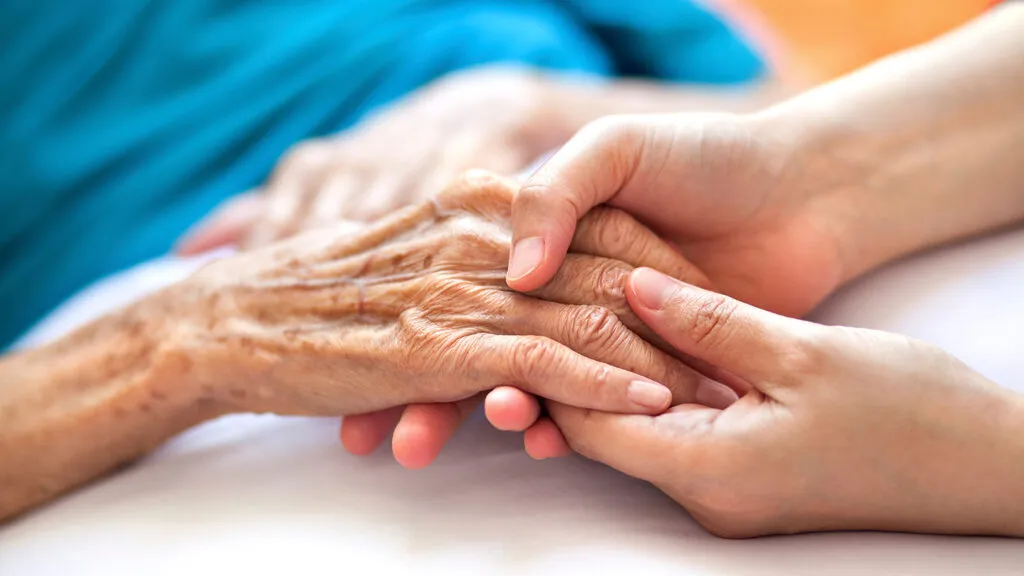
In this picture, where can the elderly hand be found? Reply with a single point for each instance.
(844, 429)
(608, 244)
(499, 119)
(414, 309)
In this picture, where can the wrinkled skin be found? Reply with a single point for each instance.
(731, 192)
(415, 309)
(412, 309)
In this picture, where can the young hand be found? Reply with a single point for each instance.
(843, 429)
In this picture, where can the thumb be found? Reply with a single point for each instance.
(228, 223)
(646, 447)
(746, 341)
(589, 170)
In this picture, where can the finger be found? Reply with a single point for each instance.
(361, 434)
(424, 429)
(478, 191)
(382, 192)
(614, 234)
(329, 205)
(546, 368)
(647, 447)
(227, 225)
(289, 191)
(596, 333)
(746, 341)
(511, 409)
(584, 280)
(545, 440)
(589, 170)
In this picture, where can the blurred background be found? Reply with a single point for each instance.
(811, 41)
(125, 122)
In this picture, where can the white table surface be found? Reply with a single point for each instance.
(266, 495)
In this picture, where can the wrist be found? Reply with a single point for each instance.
(225, 345)
(101, 396)
(910, 152)
(186, 365)
(850, 182)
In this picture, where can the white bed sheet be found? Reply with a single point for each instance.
(267, 495)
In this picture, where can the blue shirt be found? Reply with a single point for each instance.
(122, 122)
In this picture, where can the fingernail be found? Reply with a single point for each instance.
(526, 256)
(652, 288)
(649, 395)
(715, 395)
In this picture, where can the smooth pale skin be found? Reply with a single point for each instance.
(413, 309)
(844, 429)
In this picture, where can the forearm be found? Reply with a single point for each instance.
(637, 96)
(1007, 473)
(99, 398)
(573, 102)
(924, 147)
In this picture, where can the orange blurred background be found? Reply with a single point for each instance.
(809, 41)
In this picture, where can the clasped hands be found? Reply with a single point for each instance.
(414, 310)
(646, 345)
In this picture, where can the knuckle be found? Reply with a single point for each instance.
(711, 320)
(428, 353)
(609, 282)
(611, 228)
(480, 189)
(618, 235)
(598, 328)
(417, 334)
(590, 236)
(533, 355)
(471, 243)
